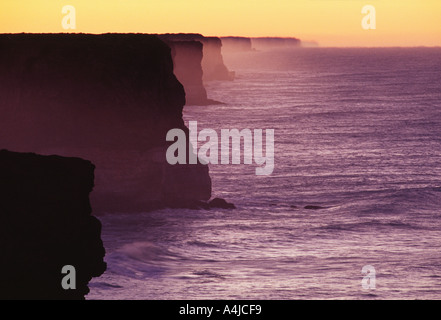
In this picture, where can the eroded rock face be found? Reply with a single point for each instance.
(214, 67)
(108, 98)
(46, 224)
(243, 44)
(212, 62)
(270, 43)
(236, 44)
(187, 61)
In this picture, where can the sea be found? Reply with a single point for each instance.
(357, 141)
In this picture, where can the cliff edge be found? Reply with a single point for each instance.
(107, 98)
(187, 62)
(212, 62)
(271, 43)
(236, 44)
(46, 224)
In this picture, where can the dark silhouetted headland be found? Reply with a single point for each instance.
(46, 224)
(107, 98)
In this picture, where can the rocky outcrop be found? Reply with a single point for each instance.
(236, 44)
(46, 224)
(108, 98)
(221, 203)
(268, 43)
(212, 62)
(187, 61)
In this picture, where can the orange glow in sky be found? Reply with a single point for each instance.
(329, 22)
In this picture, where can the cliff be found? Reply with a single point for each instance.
(268, 43)
(45, 224)
(212, 62)
(214, 66)
(236, 44)
(187, 61)
(108, 98)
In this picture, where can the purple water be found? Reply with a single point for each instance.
(358, 132)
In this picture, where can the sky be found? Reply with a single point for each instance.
(329, 22)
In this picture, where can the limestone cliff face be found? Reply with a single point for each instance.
(107, 98)
(46, 224)
(187, 61)
(214, 66)
(268, 43)
(236, 44)
(212, 62)
(243, 44)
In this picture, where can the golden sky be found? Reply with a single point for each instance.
(330, 22)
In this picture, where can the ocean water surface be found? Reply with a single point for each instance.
(357, 133)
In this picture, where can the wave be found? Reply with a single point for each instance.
(146, 252)
(202, 244)
(371, 225)
(140, 260)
